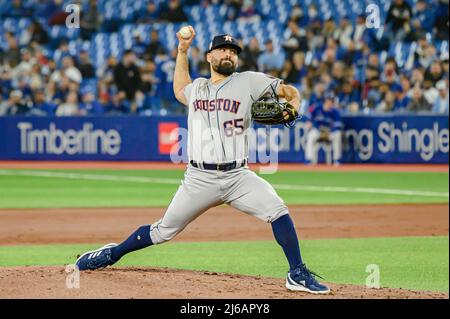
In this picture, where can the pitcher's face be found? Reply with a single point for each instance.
(223, 60)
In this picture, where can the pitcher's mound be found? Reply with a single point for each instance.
(141, 282)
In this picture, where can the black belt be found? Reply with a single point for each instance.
(219, 167)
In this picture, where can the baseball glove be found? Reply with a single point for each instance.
(269, 110)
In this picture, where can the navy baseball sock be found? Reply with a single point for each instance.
(138, 240)
(285, 235)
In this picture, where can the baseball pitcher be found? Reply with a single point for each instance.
(219, 115)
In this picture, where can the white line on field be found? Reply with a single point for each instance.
(175, 181)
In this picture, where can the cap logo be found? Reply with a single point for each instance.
(228, 38)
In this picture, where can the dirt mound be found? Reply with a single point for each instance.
(98, 225)
(132, 282)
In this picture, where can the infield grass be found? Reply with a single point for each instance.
(418, 263)
(145, 188)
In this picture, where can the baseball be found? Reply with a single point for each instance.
(185, 33)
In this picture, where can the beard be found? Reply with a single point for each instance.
(224, 68)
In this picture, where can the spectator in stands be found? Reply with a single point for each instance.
(139, 46)
(165, 67)
(418, 103)
(430, 92)
(317, 95)
(34, 33)
(195, 59)
(417, 77)
(85, 65)
(441, 105)
(295, 38)
(316, 40)
(348, 96)
(70, 107)
(48, 68)
(324, 125)
(148, 78)
(106, 71)
(248, 59)
(61, 52)
(423, 17)
(174, 12)
(248, 13)
(150, 15)
(26, 64)
(69, 70)
(40, 106)
(328, 28)
(22, 84)
(348, 59)
(232, 9)
(338, 76)
(299, 16)
(425, 53)
(398, 19)
(435, 72)
(343, 34)
(313, 13)
(269, 60)
(352, 55)
(153, 46)
(89, 104)
(36, 79)
(359, 29)
(127, 77)
(90, 20)
(57, 91)
(11, 50)
(370, 92)
(390, 71)
(403, 93)
(119, 104)
(15, 104)
(294, 69)
(388, 104)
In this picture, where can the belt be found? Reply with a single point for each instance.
(219, 167)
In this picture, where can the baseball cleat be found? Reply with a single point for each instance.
(96, 259)
(302, 279)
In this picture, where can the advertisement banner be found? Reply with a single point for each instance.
(366, 139)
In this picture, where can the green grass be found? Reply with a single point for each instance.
(418, 263)
(41, 192)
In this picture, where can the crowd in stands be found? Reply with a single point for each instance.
(317, 55)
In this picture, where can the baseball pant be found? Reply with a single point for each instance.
(202, 189)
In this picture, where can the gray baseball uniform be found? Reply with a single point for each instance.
(218, 121)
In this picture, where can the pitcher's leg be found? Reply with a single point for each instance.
(196, 194)
(286, 236)
(253, 195)
(184, 208)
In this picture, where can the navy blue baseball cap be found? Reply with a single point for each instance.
(224, 40)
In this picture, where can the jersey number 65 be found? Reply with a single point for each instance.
(233, 127)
